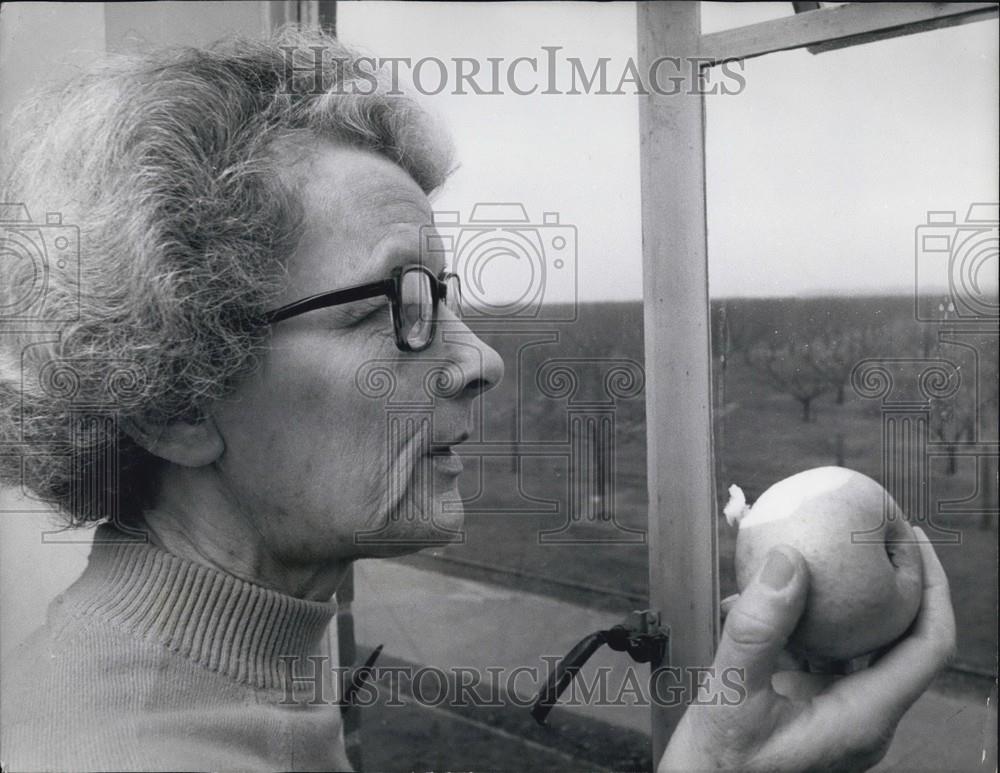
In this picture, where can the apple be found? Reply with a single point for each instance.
(865, 571)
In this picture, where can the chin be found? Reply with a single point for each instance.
(415, 523)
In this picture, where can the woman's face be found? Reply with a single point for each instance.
(329, 446)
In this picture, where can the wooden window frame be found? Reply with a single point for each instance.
(683, 551)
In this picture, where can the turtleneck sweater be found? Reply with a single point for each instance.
(153, 662)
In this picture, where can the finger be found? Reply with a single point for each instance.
(727, 604)
(761, 620)
(900, 676)
(936, 621)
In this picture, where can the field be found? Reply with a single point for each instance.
(770, 357)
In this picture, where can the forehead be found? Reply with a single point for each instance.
(363, 215)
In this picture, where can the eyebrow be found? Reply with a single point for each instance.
(405, 248)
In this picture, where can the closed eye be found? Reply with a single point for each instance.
(352, 314)
(363, 310)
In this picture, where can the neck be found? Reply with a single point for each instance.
(196, 519)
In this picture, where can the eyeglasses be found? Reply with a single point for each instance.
(413, 292)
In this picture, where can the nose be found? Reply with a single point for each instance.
(480, 365)
(490, 365)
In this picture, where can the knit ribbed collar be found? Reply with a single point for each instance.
(217, 620)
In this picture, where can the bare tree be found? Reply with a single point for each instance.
(790, 369)
(952, 421)
(958, 416)
(835, 352)
(989, 408)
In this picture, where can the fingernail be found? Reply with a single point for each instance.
(778, 571)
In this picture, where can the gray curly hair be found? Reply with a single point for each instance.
(169, 165)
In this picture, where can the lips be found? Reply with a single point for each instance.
(447, 462)
(444, 457)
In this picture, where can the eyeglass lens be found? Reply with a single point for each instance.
(454, 299)
(416, 308)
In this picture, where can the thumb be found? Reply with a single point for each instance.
(760, 622)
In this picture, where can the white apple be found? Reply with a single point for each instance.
(865, 571)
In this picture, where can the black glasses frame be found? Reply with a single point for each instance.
(392, 288)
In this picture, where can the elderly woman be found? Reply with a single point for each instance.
(249, 241)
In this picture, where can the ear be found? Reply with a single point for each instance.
(193, 443)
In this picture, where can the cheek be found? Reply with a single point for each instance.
(301, 428)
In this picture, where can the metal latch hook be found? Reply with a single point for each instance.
(641, 636)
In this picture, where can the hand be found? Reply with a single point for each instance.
(795, 721)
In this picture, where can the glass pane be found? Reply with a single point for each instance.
(541, 223)
(853, 274)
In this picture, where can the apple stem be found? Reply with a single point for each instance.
(737, 507)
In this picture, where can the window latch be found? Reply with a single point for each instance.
(641, 636)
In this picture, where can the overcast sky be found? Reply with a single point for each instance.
(818, 171)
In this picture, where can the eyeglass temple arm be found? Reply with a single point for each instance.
(334, 298)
